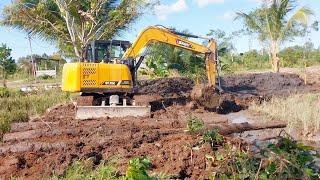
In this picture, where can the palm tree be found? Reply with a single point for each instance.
(275, 22)
(73, 24)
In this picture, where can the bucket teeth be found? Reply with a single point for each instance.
(92, 112)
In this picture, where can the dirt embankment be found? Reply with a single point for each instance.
(239, 90)
(50, 143)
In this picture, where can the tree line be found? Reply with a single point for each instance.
(25, 67)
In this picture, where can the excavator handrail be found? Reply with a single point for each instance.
(164, 35)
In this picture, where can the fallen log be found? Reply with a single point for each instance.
(242, 127)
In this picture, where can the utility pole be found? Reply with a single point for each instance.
(31, 56)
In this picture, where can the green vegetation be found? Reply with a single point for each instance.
(163, 60)
(212, 137)
(300, 111)
(43, 62)
(194, 124)
(84, 170)
(300, 56)
(137, 170)
(276, 22)
(285, 159)
(18, 107)
(7, 64)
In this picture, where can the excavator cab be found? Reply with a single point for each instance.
(106, 51)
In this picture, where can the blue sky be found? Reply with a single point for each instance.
(198, 16)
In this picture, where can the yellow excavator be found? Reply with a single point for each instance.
(109, 72)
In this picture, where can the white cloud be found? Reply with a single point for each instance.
(203, 3)
(228, 16)
(163, 10)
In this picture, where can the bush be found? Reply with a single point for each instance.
(194, 124)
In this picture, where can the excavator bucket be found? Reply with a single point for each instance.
(93, 112)
(206, 96)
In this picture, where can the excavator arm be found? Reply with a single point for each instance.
(167, 36)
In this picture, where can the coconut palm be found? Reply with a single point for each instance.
(72, 24)
(275, 22)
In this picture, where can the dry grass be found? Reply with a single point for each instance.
(17, 107)
(301, 111)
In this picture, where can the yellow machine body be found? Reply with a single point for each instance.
(96, 77)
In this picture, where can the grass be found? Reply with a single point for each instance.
(84, 169)
(300, 111)
(18, 107)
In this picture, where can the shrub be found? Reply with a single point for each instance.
(212, 137)
(194, 124)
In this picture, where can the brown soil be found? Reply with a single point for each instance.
(50, 143)
(40, 150)
(242, 90)
(239, 90)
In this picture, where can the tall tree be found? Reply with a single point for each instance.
(275, 22)
(73, 23)
(7, 64)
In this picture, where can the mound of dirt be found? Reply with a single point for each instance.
(239, 90)
(262, 83)
(242, 90)
(166, 87)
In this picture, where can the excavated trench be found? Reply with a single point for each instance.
(50, 143)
